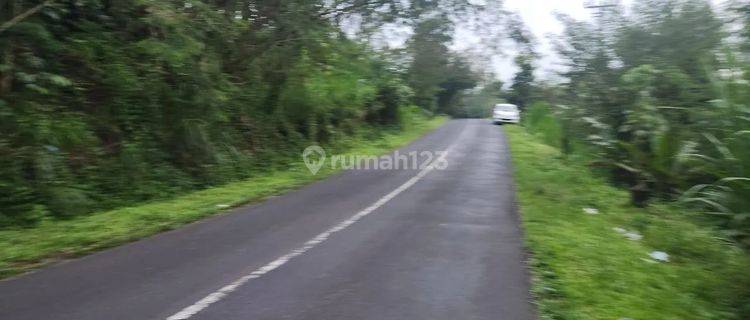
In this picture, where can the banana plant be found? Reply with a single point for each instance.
(647, 149)
(728, 198)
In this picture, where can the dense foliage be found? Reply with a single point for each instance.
(660, 99)
(105, 103)
(583, 266)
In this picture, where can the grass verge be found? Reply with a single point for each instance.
(53, 240)
(586, 269)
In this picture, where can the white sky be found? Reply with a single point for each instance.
(539, 17)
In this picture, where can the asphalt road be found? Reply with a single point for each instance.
(416, 243)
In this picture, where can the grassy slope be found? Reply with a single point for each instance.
(51, 240)
(583, 269)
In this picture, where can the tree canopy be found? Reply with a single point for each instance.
(103, 103)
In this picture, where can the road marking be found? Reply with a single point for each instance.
(312, 243)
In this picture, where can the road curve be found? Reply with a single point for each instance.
(416, 243)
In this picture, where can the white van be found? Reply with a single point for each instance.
(506, 113)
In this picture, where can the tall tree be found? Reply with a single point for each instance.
(460, 78)
(430, 58)
(521, 89)
(522, 86)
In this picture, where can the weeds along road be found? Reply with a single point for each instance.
(415, 243)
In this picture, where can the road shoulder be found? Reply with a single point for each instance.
(591, 249)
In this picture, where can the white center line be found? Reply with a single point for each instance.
(312, 243)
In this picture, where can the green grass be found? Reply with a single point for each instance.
(583, 269)
(545, 126)
(53, 240)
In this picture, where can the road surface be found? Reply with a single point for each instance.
(416, 243)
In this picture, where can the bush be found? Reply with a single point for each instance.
(540, 120)
(112, 103)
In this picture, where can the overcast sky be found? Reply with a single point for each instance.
(539, 17)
